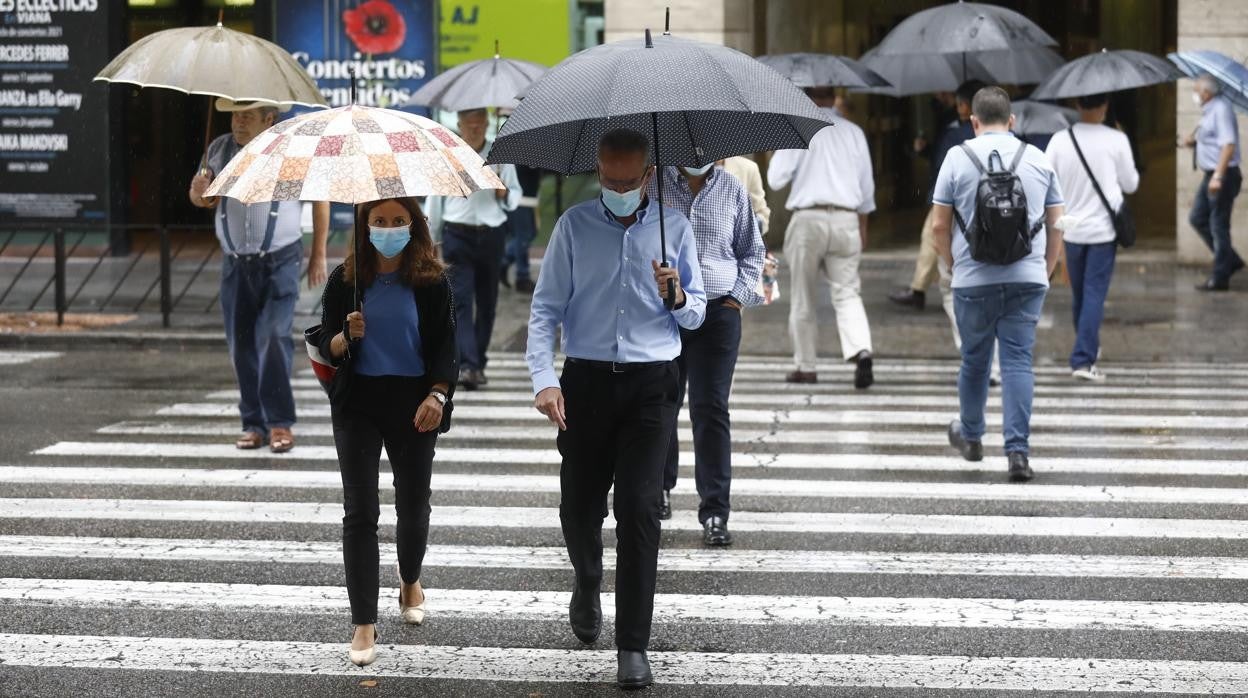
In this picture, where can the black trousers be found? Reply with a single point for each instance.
(475, 259)
(619, 425)
(708, 358)
(379, 411)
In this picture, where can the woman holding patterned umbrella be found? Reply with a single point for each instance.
(401, 344)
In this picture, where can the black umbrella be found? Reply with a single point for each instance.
(963, 29)
(1106, 71)
(702, 102)
(917, 73)
(823, 70)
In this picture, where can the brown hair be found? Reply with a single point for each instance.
(418, 263)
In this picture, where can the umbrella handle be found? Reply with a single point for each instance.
(670, 301)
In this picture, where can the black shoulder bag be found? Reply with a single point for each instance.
(1124, 224)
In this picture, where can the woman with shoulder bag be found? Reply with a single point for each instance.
(400, 379)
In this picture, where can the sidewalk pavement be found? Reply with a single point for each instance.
(1153, 314)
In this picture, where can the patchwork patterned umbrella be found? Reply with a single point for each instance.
(352, 155)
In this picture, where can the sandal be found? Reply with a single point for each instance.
(281, 440)
(249, 440)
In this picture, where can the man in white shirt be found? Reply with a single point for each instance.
(833, 193)
(473, 233)
(1089, 238)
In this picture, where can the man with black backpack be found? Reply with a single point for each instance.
(1001, 192)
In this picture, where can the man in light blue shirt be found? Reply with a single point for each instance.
(473, 233)
(1217, 154)
(615, 404)
(1000, 302)
(730, 252)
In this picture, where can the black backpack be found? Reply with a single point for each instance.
(999, 233)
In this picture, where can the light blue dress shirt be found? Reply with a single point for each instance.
(479, 208)
(730, 248)
(1218, 128)
(955, 187)
(242, 228)
(597, 282)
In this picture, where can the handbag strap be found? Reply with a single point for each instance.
(1078, 151)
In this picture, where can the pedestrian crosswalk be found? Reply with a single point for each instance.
(868, 558)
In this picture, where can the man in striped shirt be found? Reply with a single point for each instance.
(730, 253)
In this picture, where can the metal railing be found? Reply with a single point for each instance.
(85, 275)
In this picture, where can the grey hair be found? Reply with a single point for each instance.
(1209, 83)
(991, 106)
(625, 140)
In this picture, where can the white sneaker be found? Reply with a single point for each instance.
(1091, 374)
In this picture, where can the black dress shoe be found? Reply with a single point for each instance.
(801, 377)
(1211, 284)
(970, 450)
(1020, 469)
(468, 379)
(585, 614)
(479, 376)
(634, 669)
(525, 286)
(863, 375)
(665, 505)
(909, 298)
(715, 531)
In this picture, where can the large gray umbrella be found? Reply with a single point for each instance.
(1039, 119)
(914, 73)
(700, 102)
(1106, 71)
(490, 82)
(964, 27)
(823, 70)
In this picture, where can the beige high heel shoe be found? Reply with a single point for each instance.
(412, 615)
(368, 656)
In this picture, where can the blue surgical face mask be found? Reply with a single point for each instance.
(621, 205)
(698, 171)
(389, 241)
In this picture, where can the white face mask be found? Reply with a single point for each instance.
(1196, 99)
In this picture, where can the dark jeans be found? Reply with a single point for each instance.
(1091, 267)
(1211, 217)
(707, 360)
(379, 412)
(521, 232)
(258, 296)
(619, 425)
(475, 258)
(1007, 313)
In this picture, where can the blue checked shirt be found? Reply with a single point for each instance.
(730, 248)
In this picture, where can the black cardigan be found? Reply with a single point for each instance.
(435, 307)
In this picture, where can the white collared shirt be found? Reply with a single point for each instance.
(479, 208)
(834, 171)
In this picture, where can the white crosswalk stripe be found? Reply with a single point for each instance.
(856, 526)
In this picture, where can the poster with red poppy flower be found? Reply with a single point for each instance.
(388, 43)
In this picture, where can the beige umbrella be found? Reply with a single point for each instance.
(217, 62)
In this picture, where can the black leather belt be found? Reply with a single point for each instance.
(461, 226)
(616, 367)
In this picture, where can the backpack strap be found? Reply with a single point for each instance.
(973, 158)
(1018, 157)
(1078, 151)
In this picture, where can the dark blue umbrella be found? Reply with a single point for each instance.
(1106, 71)
(701, 102)
(1230, 73)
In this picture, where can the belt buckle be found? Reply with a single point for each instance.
(615, 367)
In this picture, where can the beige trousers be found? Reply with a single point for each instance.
(825, 245)
(925, 268)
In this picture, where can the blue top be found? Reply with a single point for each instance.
(956, 185)
(1218, 128)
(598, 283)
(954, 135)
(730, 248)
(391, 344)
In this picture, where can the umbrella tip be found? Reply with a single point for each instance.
(496, 53)
(649, 41)
(220, 16)
(667, 21)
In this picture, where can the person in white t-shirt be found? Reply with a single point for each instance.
(1089, 236)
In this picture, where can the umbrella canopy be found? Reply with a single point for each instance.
(701, 101)
(913, 73)
(1106, 71)
(962, 28)
(1230, 73)
(490, 82)
(823, 70)
(215, 61)
(352, 155)
(1038, 118)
